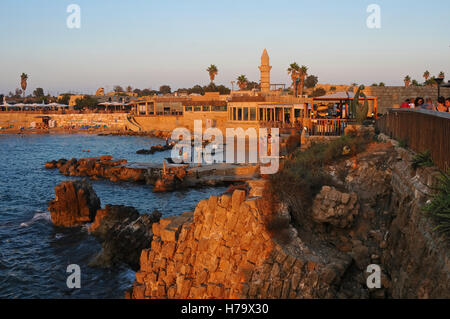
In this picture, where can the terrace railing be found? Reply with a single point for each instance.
(421, 130)
(327, 127)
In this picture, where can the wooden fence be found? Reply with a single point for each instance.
(421, 130)
(327, 127)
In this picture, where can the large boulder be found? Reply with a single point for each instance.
(76, 203)
(123, 233)
(335, 208)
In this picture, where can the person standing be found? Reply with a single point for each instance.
(441, 105)
(405, 105)
(447, 104)
(428, 104)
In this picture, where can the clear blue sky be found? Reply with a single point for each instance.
(146, 43)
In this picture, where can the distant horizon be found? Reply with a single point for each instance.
(147, 44)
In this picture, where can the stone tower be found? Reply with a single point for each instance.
(265, 72)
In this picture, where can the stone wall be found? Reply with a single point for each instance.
(111, 120)
(394, 96)
(225, 250)
(417, 258)
(169, 123)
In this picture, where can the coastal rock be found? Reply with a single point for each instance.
(225, 250)
(170, 180)
(75, 204)
(99, 167)
(335, 208)
(123, 233)
(155, 148)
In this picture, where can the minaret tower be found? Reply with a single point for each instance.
(265, 72)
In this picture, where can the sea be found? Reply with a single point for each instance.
(34, 255)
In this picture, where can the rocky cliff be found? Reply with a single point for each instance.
(242, 247)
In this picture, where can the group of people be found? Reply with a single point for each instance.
(442, 105)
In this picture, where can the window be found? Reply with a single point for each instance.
(197, 108)
(239, 113)
(234, 114)
(245, 113)
(222, 108)
(206, 108)
(188, 108)
(253, 114)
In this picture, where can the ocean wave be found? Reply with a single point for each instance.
(37, 216)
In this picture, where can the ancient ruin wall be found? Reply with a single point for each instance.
(224, 250)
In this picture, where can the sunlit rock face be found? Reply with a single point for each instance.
(75, 204)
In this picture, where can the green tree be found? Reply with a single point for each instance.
(294, 72)
(213, 71)
(64, 99)
(23, 82)
(88, 102)
(381, 84)
(165, 89)
(311, 81)
(242, 81)
(426, 75)
(39, 92)
(407, 80)
(303, 74)
(118, 89)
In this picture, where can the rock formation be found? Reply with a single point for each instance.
(123, 233)
(240, 247)
(99, 167)
(75, 204)
(155, 148)
(336, 208)
(225, 250)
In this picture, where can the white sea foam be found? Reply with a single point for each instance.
(37, 216)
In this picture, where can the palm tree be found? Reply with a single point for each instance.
(407, 80)
(426, 75)
(294, 71)
(23, 82)
(442, 75)
(213, 71)
(242, 81)
(303, 74)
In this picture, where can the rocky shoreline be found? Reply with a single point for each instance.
(164, 178)
(122, 231)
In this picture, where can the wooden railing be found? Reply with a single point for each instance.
(327, 127)
(421, 130)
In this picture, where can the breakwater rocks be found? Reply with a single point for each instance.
(99, 167)
(165, 178)
(76, 203)
(155, 148)
(123, 232)
(152, 133)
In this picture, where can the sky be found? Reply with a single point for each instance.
(147, 43)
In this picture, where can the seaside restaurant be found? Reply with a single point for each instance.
(267, 113)
(158, 106)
